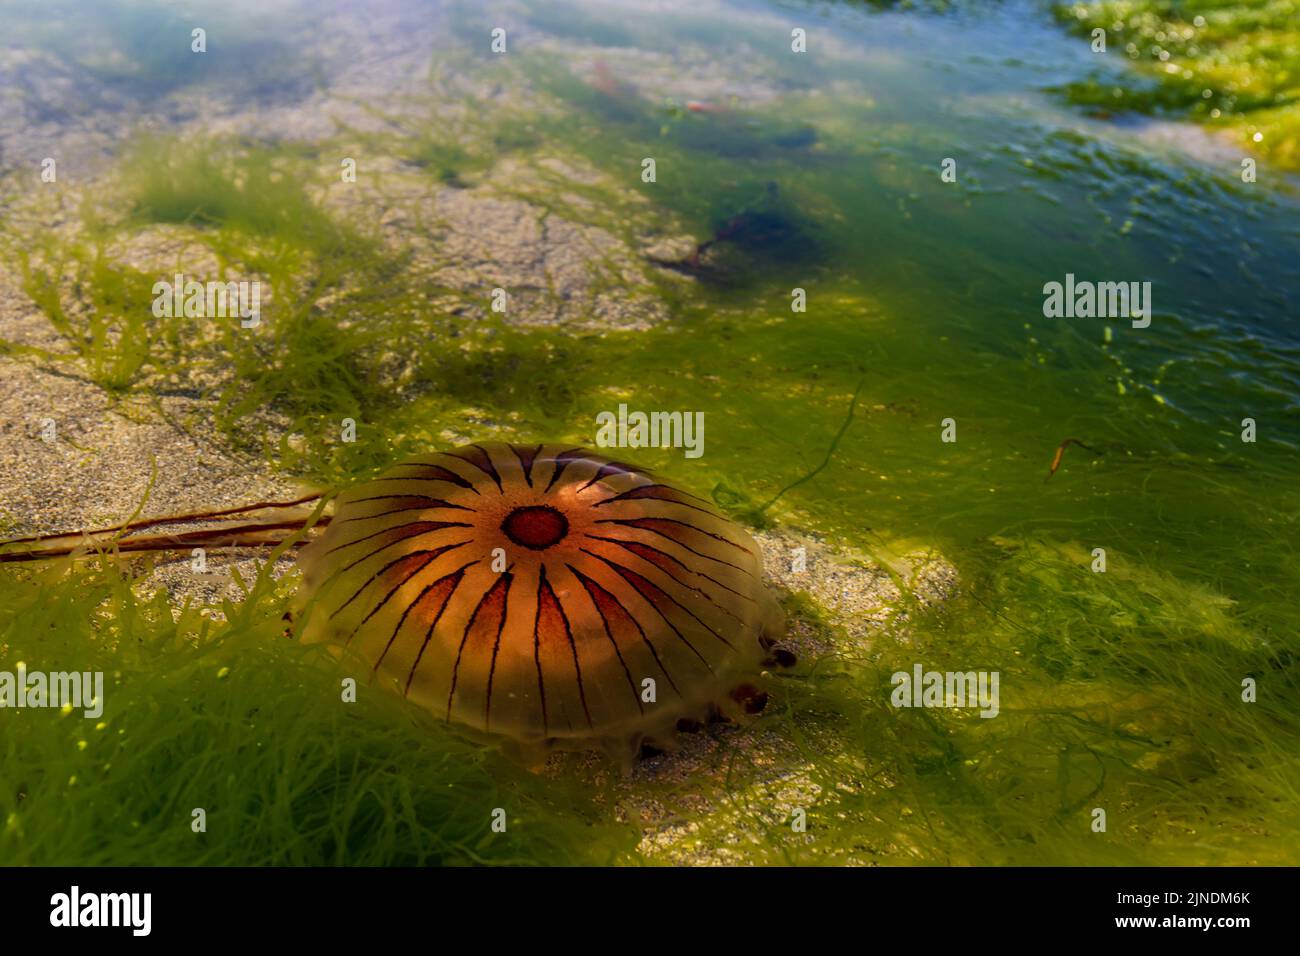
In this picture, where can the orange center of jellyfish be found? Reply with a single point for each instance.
(537, 527)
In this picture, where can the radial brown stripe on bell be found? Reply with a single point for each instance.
(428, 471)
(405, 655)
(479, 644)
(364, 609)
(429, 672)
(416, 618)
(556, 653)
(607, 635)
(381, 532)
(559, 463)
(540, 591)
(481, 459)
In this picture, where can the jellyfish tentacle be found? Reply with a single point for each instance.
(212, 539)
(186, 517)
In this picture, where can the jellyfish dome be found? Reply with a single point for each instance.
(543, 594)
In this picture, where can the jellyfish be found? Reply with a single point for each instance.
(541, 596)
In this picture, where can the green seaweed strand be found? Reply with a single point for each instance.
(830, 452)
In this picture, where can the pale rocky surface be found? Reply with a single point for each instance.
(109, 459)
(860, 592)
(555, 271)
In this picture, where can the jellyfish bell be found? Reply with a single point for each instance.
(538, 596)
(543, 596)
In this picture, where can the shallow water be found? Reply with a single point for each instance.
(821, 171)
(933, 292)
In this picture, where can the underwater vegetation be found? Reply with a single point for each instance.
(232, 717)
(250, 210)
(1120, 689)
(1232, 64)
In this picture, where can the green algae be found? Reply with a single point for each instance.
(1233, 65)
(337, 307)
(234, 719)
(109, 336)
(1121, 690)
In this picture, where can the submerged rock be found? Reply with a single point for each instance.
(750, 239)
